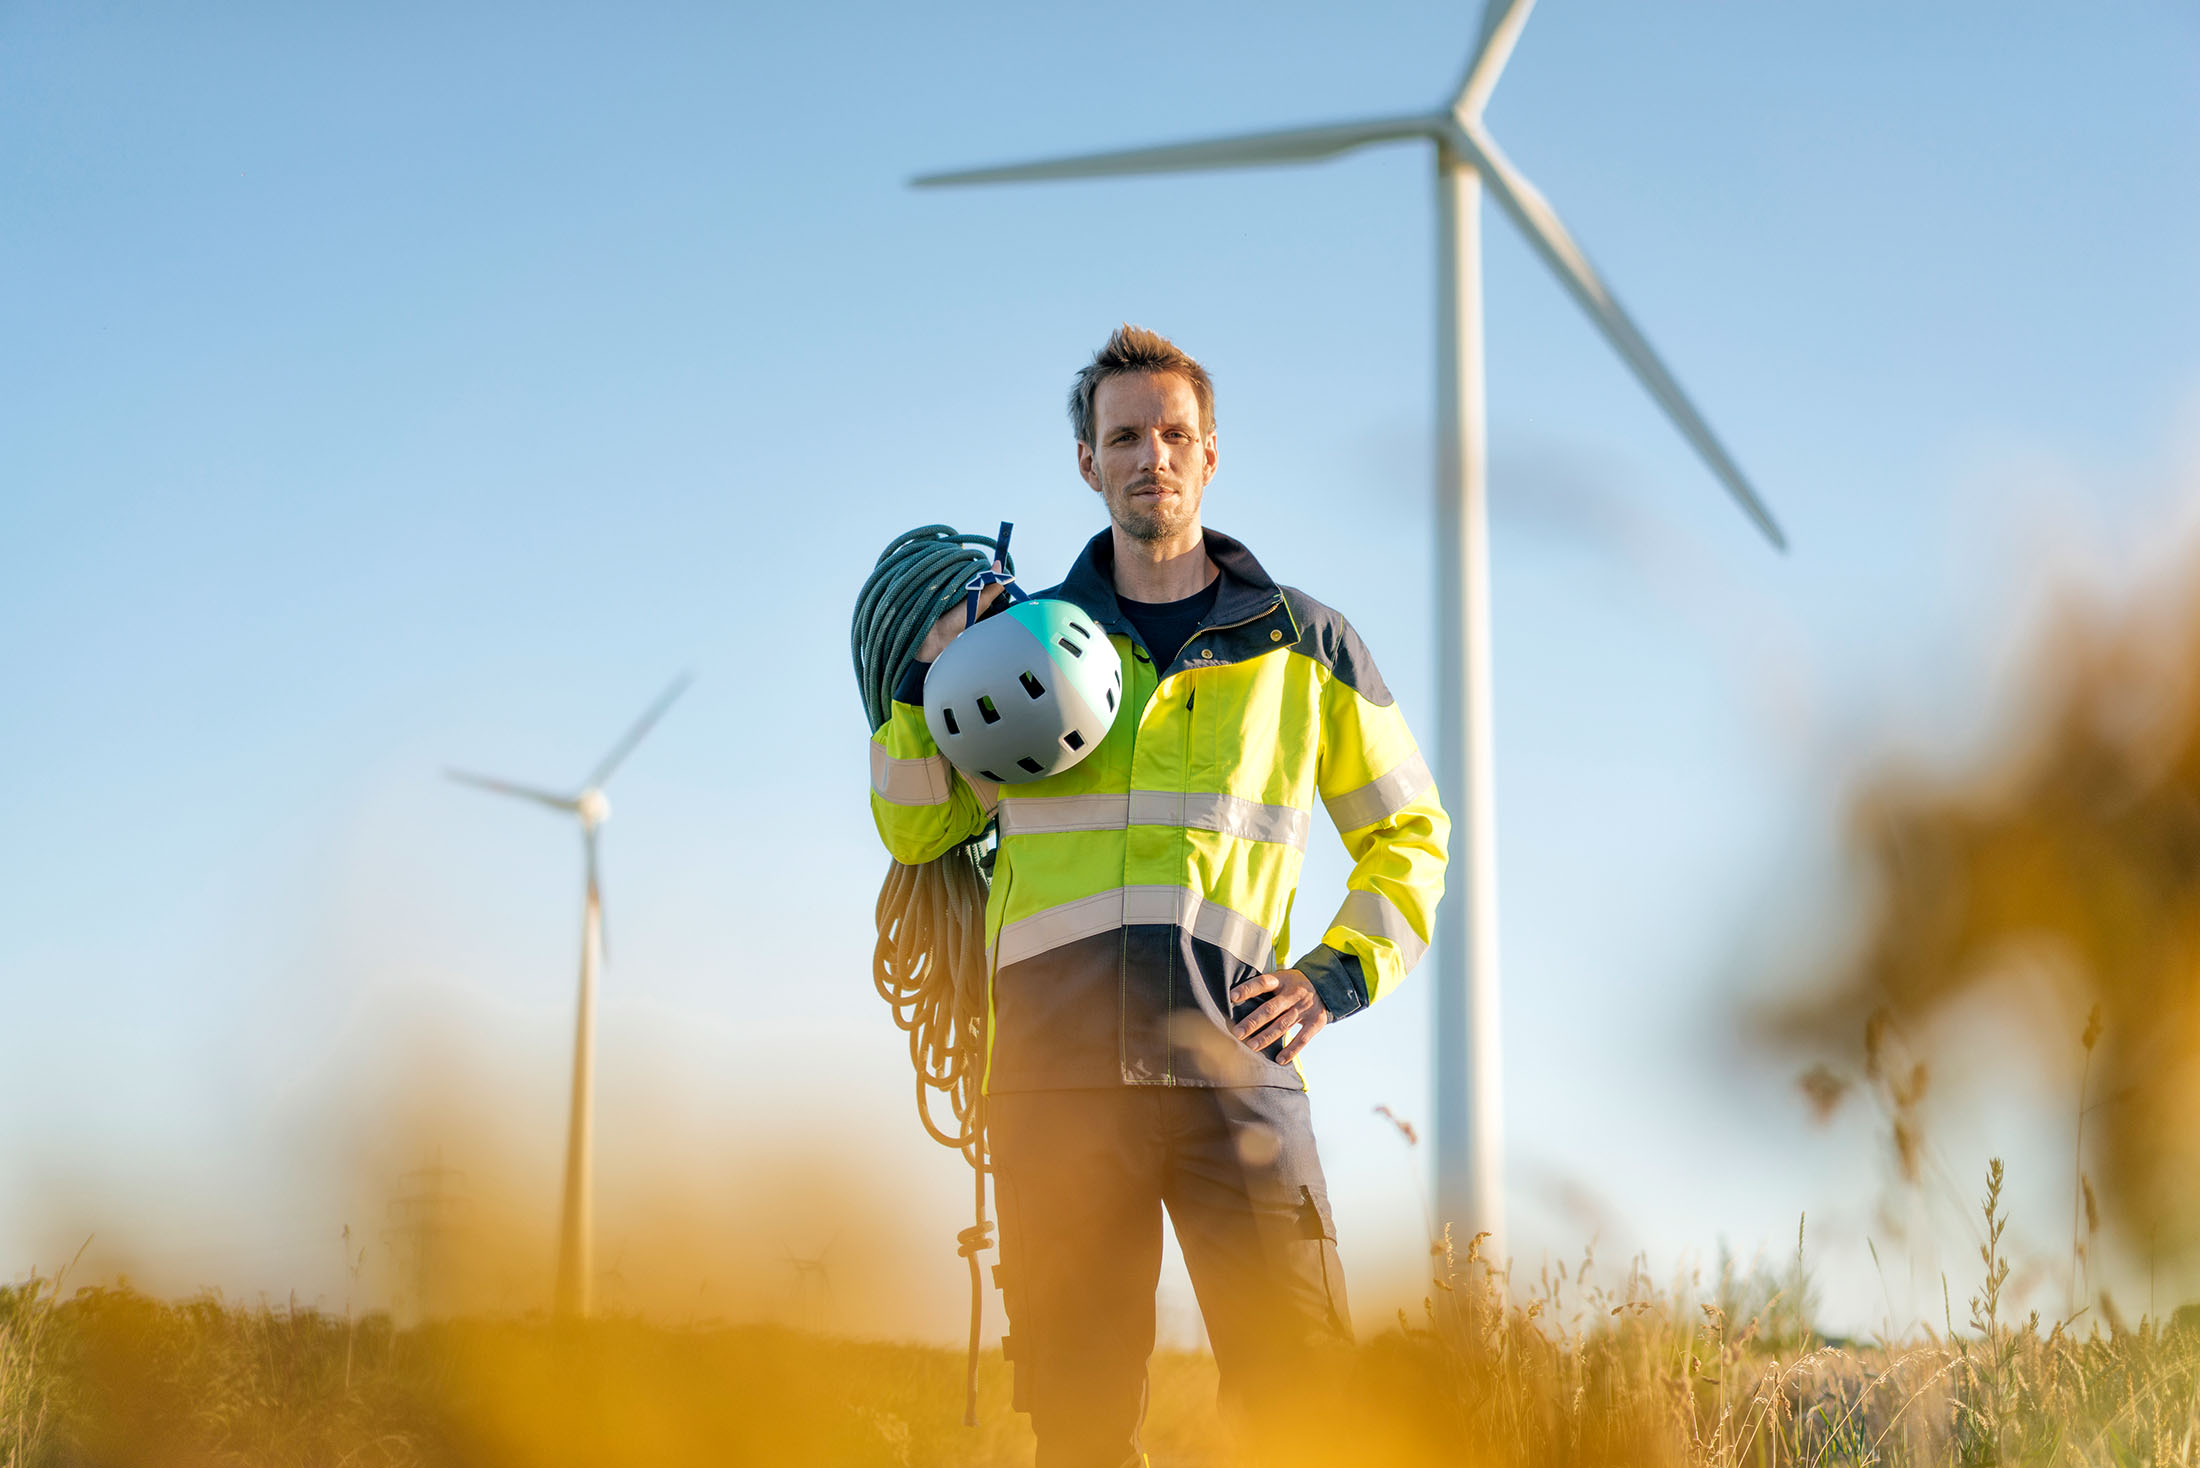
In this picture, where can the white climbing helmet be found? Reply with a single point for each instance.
(1024, 694)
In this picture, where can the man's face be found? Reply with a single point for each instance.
(1150, 462)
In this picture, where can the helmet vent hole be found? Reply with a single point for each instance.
(987, 711)
(1111, 700)
(996, 779)
(1073, 741)
(1080, 629)
(1033, 686)
(1069, 647)
(1032, 766)
(947, 716)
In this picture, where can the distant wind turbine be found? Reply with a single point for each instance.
(1468, 1081)
(576, 1219)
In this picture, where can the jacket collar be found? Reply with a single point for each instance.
(1246, 591)
(1251, 614)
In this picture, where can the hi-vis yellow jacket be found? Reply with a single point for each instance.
(1131, 891)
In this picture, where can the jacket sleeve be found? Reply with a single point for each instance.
(1383, 799)
(923, 806)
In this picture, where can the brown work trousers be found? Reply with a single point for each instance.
(1082, 1178)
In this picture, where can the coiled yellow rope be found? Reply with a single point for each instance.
(929, 965)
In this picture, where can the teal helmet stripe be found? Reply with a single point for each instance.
(1068, 634)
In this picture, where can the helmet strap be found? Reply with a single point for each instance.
(992, 577)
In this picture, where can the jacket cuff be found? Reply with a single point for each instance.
(1337, 979)
(911, 687)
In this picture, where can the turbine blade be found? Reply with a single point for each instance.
(641, 729)
(1290, 145)
(525, 792)
(1540, 223)
(1501, 23)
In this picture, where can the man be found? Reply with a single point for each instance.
(1144, 1035)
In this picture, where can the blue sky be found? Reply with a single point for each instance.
(387, 387)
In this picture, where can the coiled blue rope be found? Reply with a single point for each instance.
(916, 580)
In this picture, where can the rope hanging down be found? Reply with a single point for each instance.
(929, 963)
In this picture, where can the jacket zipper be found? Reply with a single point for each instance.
(1168, 1063)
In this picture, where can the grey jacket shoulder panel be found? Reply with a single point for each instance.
(1327, 638)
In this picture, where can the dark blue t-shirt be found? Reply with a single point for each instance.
(1164, 626)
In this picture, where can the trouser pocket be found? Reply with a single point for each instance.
(1318, 1236)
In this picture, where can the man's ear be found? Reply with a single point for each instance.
(1086, 469)
(1212, 457)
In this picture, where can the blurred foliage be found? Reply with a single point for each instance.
(2075, 853)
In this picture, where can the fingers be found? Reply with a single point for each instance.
(1258, 984)
(1269, 1024)
(1274, 1009)
(1313, 1026)
(1310, 1018)
(1273, 1020)
(952, 622)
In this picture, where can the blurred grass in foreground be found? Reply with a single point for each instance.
(1578, 1374)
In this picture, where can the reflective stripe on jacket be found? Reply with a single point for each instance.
(1133, 890)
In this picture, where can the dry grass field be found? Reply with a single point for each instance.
(1568, 1372)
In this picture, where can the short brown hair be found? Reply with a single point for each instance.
(1134, 349)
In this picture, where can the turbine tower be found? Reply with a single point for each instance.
(1468, 1079)
(576, 1221)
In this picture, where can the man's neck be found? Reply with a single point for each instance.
(1162, 570)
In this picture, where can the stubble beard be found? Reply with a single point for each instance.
(1156, 523)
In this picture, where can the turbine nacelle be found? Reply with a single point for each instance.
(589, 802)
(1460, 138)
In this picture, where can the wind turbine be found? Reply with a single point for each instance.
(576, 1217)
(1468, 1081)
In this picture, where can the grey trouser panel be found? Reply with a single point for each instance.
(1082, 1178)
